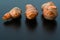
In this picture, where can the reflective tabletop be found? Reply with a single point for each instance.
(23, 29)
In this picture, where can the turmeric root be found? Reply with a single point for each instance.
(13, 13)
(49, 11)
(31, 11)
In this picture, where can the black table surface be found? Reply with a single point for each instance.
(23, 29)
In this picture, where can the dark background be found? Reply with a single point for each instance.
(23, 29)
